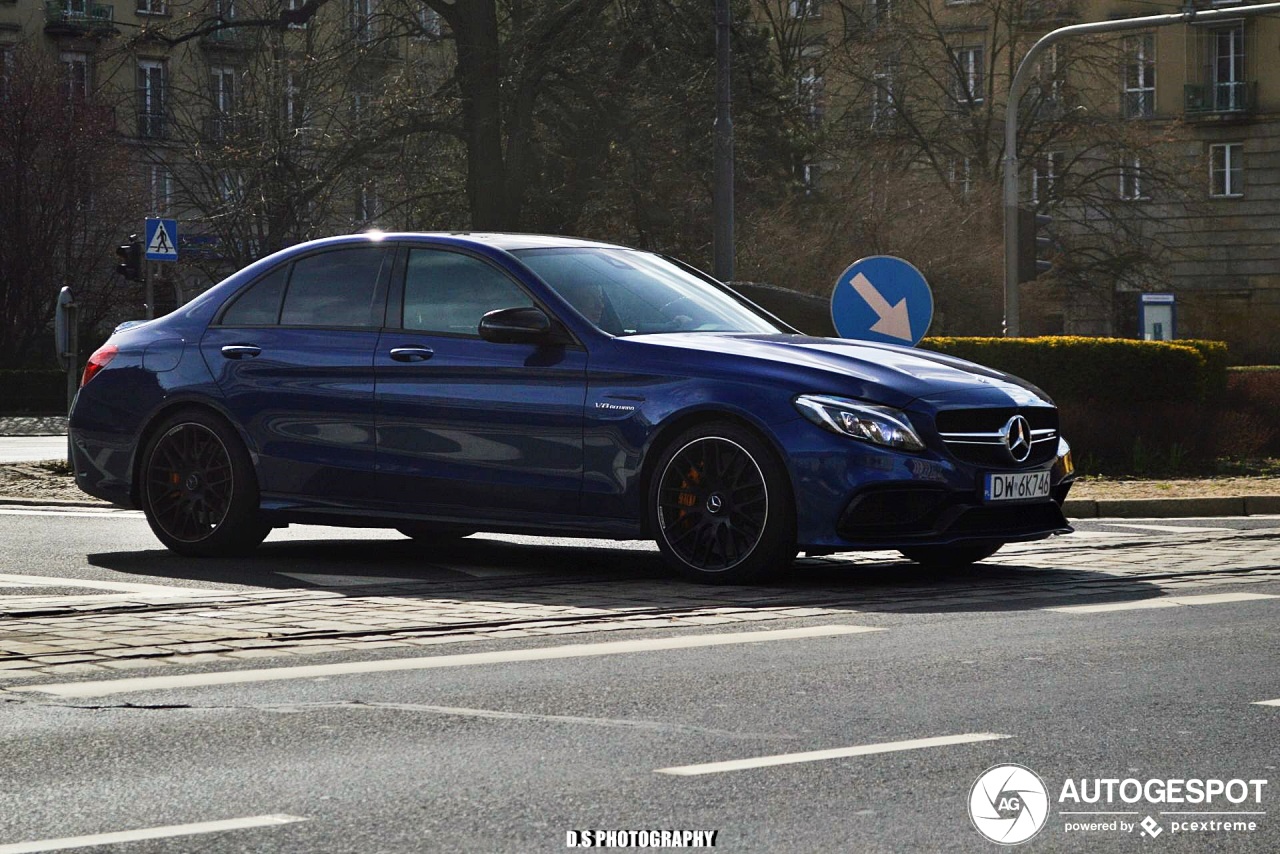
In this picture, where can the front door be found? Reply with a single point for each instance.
(465, 426)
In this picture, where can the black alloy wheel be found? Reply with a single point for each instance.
(198, 488)
(948, 556)
(721, 506)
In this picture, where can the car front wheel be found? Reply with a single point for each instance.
(721, 507)
(198, 489)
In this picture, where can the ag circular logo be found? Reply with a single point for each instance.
(1009, 804)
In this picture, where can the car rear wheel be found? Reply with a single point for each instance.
(198, 489)
(720, 506)
(944, 556)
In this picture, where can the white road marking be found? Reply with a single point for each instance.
(495, 714)
(577, 650)
(1164, 602)
(93, 584)
(835, 753)
(1267, 703)
(1176, 529)
(149, 833)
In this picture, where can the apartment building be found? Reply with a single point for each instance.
(253, 137)
(1168, 137)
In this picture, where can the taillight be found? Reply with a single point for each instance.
(99, 360)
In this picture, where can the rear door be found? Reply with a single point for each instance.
(293, 355)
(465, 426)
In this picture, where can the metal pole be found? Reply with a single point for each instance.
(73, 362)
(722, 193)
(148, 289)
(1019, 85)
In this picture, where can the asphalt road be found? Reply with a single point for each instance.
(918, 681)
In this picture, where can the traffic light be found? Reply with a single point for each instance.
(130, 255)
(1035, 244)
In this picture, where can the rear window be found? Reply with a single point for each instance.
(336, 288)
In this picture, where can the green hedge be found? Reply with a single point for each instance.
(33, 391)
(1119, 371)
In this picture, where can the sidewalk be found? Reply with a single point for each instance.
(38, 425)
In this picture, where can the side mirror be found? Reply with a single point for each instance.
(526, 325)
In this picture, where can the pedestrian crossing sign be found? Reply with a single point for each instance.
(162, 240)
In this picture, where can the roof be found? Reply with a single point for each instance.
(507, 241)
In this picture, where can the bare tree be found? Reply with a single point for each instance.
(63, 181)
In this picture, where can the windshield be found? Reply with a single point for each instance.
(628, 292)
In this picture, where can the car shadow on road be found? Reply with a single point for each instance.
(627, 577)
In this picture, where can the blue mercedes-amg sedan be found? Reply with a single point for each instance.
(444, 384)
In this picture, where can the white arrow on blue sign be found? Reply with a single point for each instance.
(884, 299)
(162, 240)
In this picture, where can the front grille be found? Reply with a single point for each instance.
(974, 435)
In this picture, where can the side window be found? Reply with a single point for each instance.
(260, 304)
(448, 292)
(336, 288)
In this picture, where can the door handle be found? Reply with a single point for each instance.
(412, 354)
(241, 351)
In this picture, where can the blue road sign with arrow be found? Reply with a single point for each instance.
(884, 299)
(162, 240)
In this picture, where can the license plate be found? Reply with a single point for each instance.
(1018, 486)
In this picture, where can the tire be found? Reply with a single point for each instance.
(945, 556)
(721, 507)
(198, 490)
(427, 532)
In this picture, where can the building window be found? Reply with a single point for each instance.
(362, 12)
(75, 75)
(1046, 176)
(805, 8)
(969, 75)
(224, 10)
(1139, 76)
(430, 25)
(809, 93)
(159, 188)
(1049, 77)
(152, 7)
(1229, 85)
(881, 12)
(960, 175)
(295, 6)
(368, 202)
(884, 106)
(293, 113)
(1132, 181)
(1226, 170)
(151, 99)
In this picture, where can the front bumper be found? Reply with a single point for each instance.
(852, 495)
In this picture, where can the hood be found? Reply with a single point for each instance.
(882, 373)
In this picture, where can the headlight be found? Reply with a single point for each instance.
(1063, 465)
(879, 425)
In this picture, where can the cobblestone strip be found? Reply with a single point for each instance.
(59, 636)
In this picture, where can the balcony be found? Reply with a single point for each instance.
(77, 17)
(153, 126)
(1220, 101)
(227, 38)
(220, 128)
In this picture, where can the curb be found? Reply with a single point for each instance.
(1170, 508)
(54, 502)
